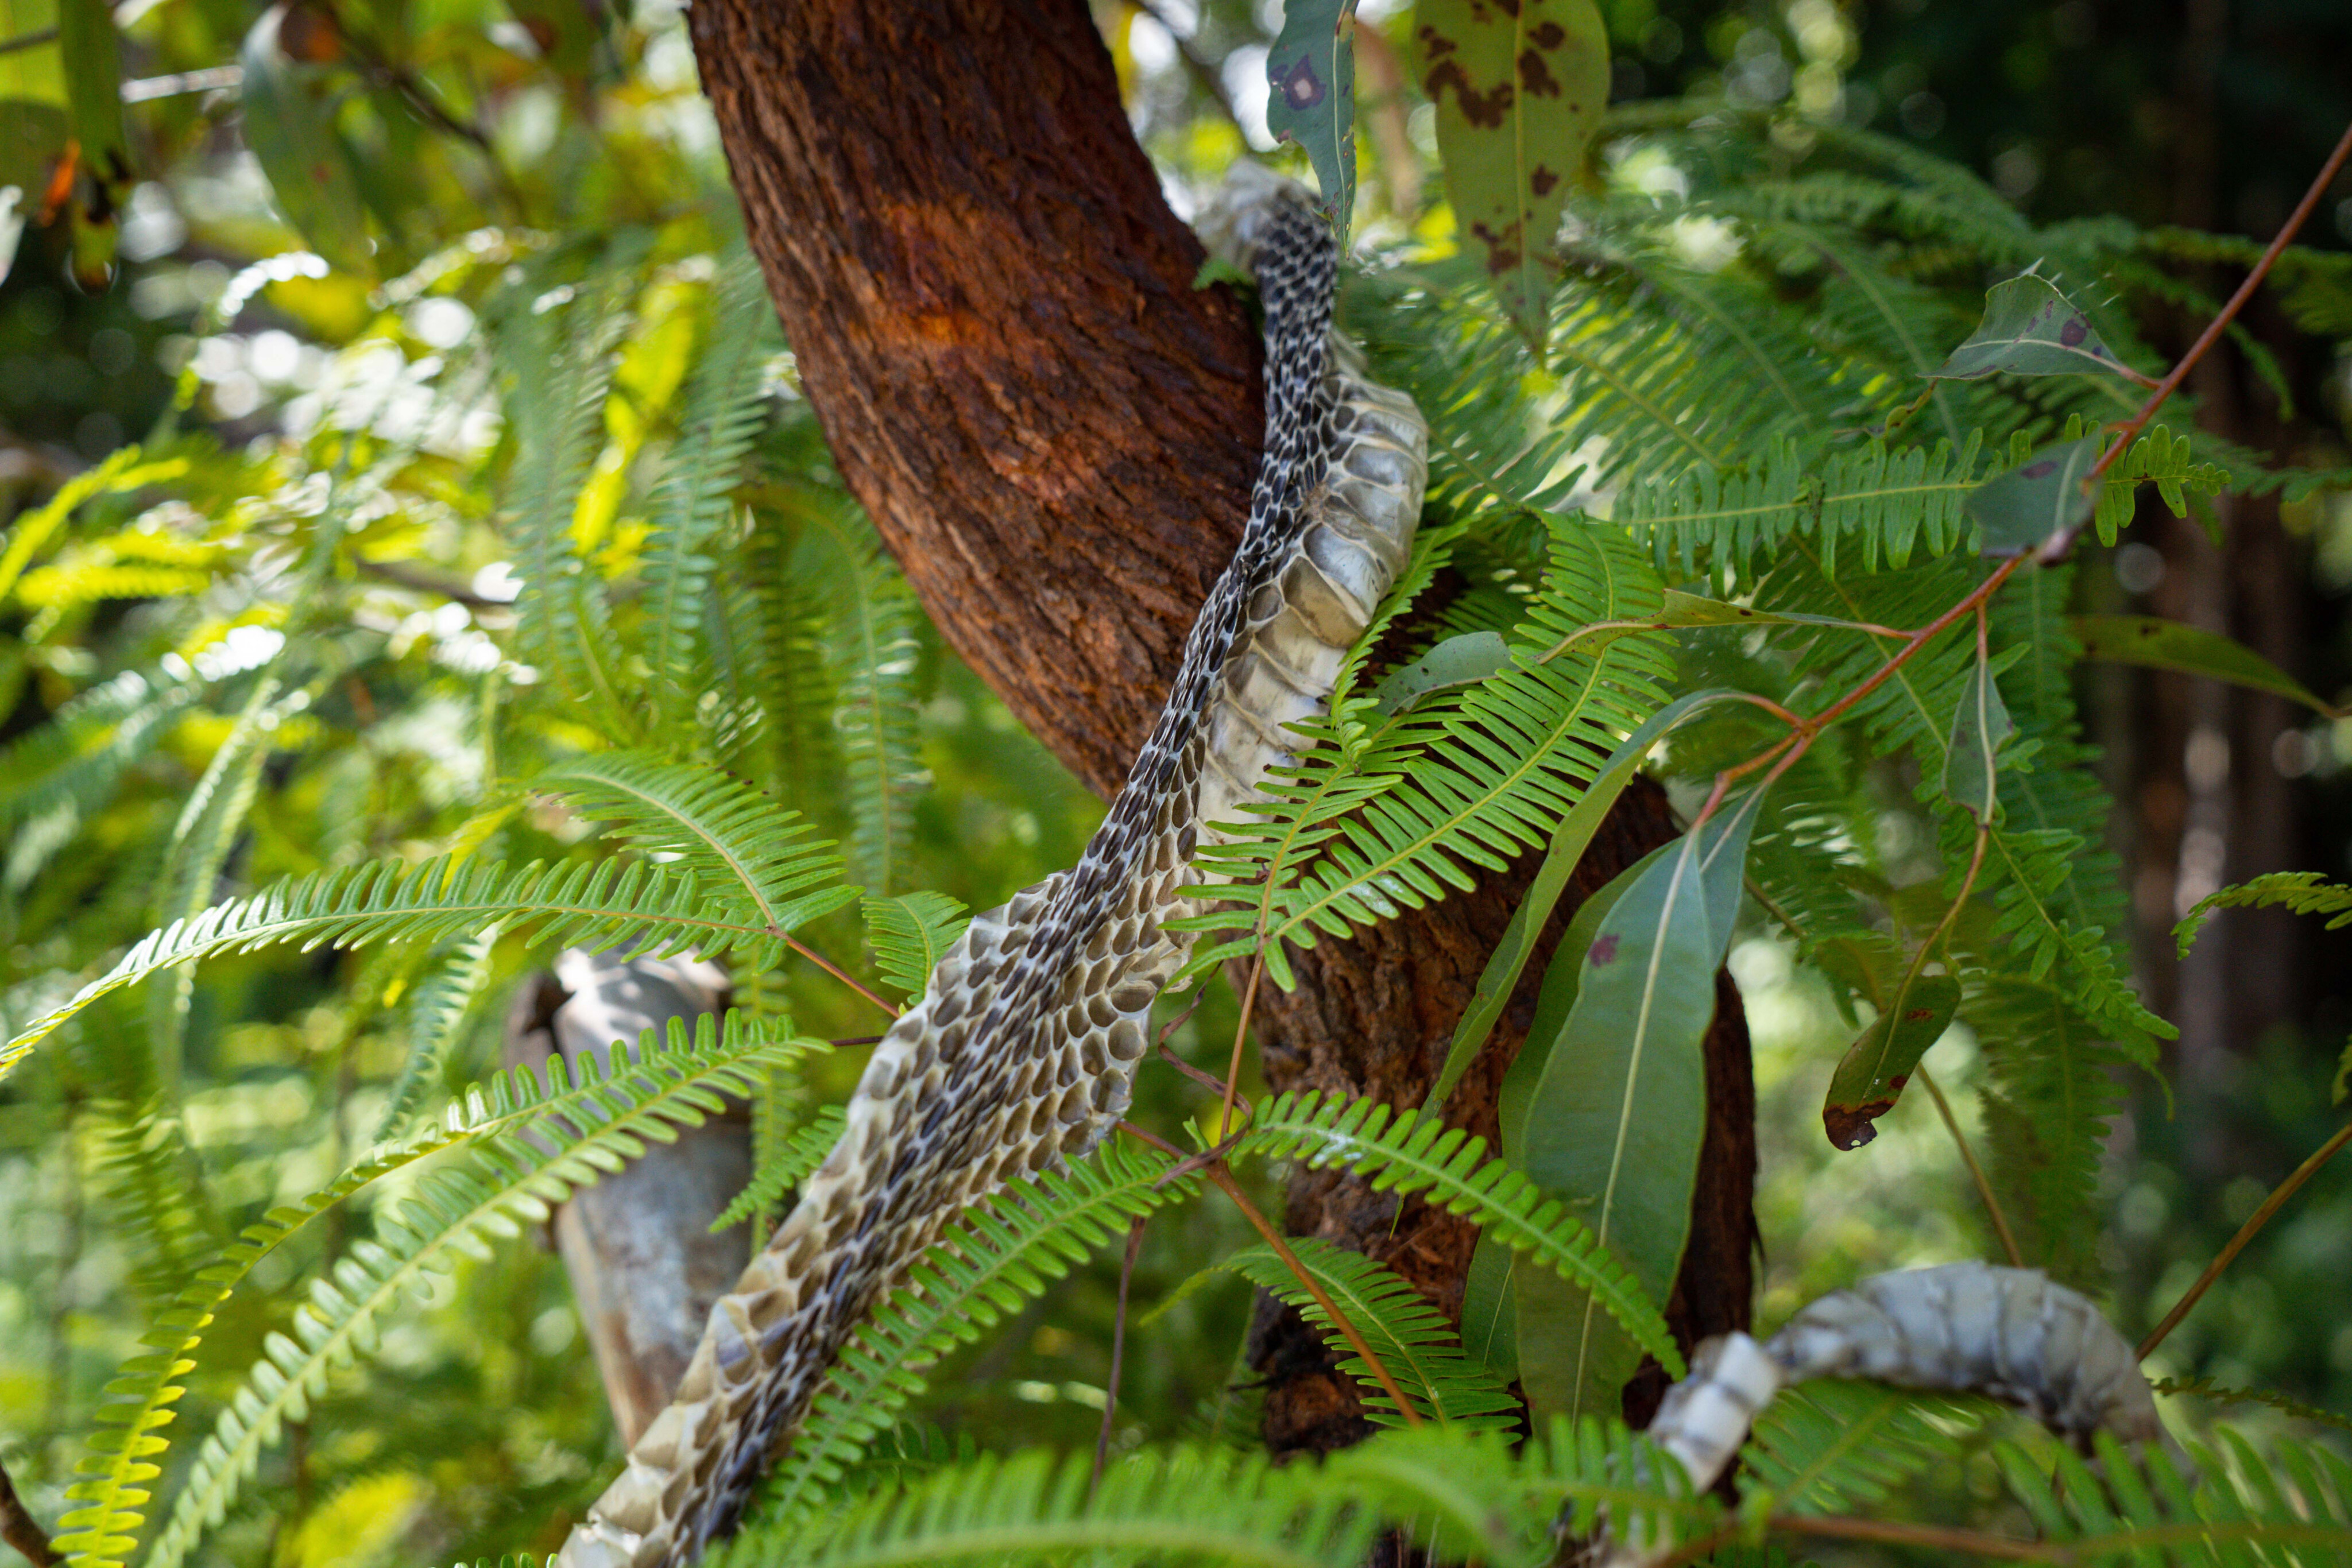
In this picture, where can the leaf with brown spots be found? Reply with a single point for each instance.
(1875, 1067)
(2030, 328)
(1519, 89)
(1311, 75)
(1607, 1106)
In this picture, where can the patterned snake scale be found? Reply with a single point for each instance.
(1022, 1051)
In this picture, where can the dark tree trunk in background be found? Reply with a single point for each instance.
(2208, 791)
(992, 312)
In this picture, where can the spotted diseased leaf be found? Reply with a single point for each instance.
(2043, 498)
(2030, 328)
(1871, 1077)
(1519, 86)
(1972, 756)
(1310, 76)
(2163, 645)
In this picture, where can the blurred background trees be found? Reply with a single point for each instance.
(326, 218)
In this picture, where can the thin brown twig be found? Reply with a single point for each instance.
(1241, 1038)
(1976, 1171)
(2131, 430)
(1206, 1080)
(830, 967)
(2246, 1232)
(1117, 1349)
(1221, 1173)
(19, 1529)
(32, 40)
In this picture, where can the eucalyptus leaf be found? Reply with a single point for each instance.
(2161, 644)
(1509, 959)
(1310, 76)
(2030, 328)
(1870, 1077)
(2040, 499)
(1455, 661)
(1972, 754)
(1491, 1290)
(1615, 1122)
(1519, 90)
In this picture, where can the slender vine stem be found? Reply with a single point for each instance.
(1217, 1171)
(2246, 1232)
(1241, 1038)
(830, 967)
(1221, 1173)
(2132, 427)
(1976, 1172)
(1118, 1349)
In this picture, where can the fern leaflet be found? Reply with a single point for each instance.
(1412, 1154)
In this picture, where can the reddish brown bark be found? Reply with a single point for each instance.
(993, 315)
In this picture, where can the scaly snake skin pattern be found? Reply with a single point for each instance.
(1022, 1051)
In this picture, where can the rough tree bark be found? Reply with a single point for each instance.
(992, 311)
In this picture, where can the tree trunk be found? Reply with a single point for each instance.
(992, 311)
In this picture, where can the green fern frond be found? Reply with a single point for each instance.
(1508, 761)
(992, 1260)
(1411, 1337)
(874, 648)
(786, 1169)
(793, 684)
(436, 1011)
(198, 849)
(2053, 1096)
(598, 906)
(1833, 1447)
(2303, 892)
(563, 357)
(1411, 1153)
(2205, 1388)
(70, 583)
(75, 758)
(513, 1179)
(910, 933)
(1189, 1506)
(121, 471)
(2293, 1505)
(754, 857)
(145, 1389)
(1885, 502)
(2040, 874)
(147, 1188)
(724, 408)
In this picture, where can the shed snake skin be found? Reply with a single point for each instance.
(1022, 1051)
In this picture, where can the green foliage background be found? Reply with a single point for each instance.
(288, 643)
